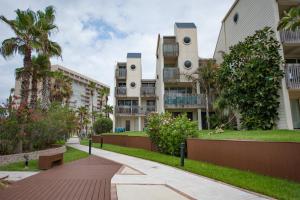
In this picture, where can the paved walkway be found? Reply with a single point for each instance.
(152, 173)
(16, 175)
(88, 178)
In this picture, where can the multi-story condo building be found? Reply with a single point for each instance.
(170, 91)
(242, 20)
(134, 97)
(81, 92)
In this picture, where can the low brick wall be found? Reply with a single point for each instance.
(6, 159)
(278, 159)
(126, 141)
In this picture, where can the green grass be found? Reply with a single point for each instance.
(259, 135)
(70, 155)
(272, 135)
(278, 188)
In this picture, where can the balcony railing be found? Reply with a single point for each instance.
(170, 49)
(120, 91)
(290, 37)
(184, 100)
(121, 73)
(171, 74)
(129, 110)
(149, 109)
(147, 91)
(292, 76)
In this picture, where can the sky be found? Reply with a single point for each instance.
(95, 34)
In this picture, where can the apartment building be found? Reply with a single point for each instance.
(242, 20)
(81, 92)
(170, 91)
(134, 97)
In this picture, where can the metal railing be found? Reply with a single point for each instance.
(292, 76)
(147, 91)
(120, 91)
(184, 100)
(149, 109)
(170, 49)
(135, 110)
(121, 73)
(171, 74)
(290, 36)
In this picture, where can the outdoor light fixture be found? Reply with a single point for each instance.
(26, 157)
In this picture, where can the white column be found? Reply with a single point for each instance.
(199, 120)
(140, 123)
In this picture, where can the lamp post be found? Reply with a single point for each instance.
(182, 146)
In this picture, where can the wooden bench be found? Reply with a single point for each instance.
(49, 160)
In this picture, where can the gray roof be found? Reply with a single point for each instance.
(185, 25)
(134, 55)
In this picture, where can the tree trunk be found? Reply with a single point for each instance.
(45, 94)
(207, 107)
(34, 90)
(25, 76)
(92, 112)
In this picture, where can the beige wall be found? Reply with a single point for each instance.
(134, 76)
(253, 16)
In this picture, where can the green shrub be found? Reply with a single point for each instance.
(102, 125)
(168, 132)
(9, 138)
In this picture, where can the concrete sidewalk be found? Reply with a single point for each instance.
(153, 173)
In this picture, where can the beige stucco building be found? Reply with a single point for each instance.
(170, 91)
(81, 92)
(242, 20)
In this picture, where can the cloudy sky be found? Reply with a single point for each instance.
(95, 34)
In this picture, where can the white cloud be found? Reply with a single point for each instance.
(85, 51)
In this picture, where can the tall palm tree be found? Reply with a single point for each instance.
(205, 76)
(104, 92)
(290, 20)
(82, 114)
(62, 88)
(39, 71)
(45, 25)
(108, 109)
(23, 43)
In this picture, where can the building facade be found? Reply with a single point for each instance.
(243, 19)
(81, 95)
(170, 91)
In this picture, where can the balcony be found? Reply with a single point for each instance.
(290, 37)
(184, 100)
(170, 49)
(121, 73)
(148, 91)
(292, 76)
(149, 109)
(120, 91)
(129, 110)
(171, 74)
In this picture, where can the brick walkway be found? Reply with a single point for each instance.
(88, 178)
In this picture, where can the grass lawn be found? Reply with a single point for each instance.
(70, 155)
(278, 188)
(272, 135)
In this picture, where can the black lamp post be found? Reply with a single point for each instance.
(26, 157)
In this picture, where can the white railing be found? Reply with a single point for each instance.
(292, 76)
(148, 91)
(290, 36)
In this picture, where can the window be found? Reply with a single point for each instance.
(132, 84)
(188, 64)
(133, 67)
(186, 40)
(122, 84)
(236, 18)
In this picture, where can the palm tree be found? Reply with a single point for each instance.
(290, 20)
(39, 71)
(104, 92)
(23, 43)
(108, 109)
(48, 48)
(10, 101)
(83, 114)
(62, 88)
(205, 76)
